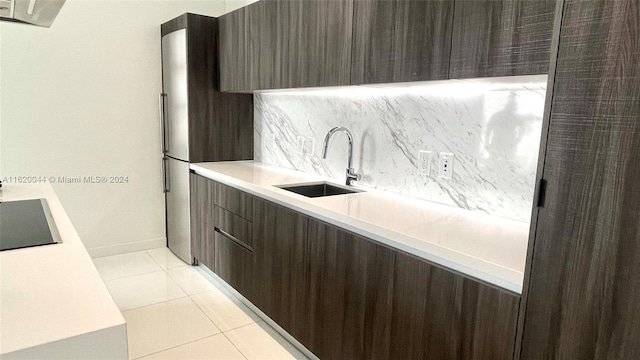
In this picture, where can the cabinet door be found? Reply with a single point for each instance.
(501, 38)
(239, 49)
(202, 236)
(440, 315)
(279, 268)
(319, 43)
(583, 296)
(273, 25)
(350, 289)
(373, 53)
(401, 40)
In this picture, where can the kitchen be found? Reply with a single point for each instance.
(535, 237)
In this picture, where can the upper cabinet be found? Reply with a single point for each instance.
(275, 44)
(401, 40)
(319, 43)
(501, 38)
(239, 49)
(279, 44)
(273, 22)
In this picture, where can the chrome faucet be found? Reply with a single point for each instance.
(351, 173)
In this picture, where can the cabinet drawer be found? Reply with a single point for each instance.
(233, 264)
(234, 200)
(234, 227)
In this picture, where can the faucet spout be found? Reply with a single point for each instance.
(351, 174)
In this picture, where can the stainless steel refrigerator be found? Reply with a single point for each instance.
(174, 110)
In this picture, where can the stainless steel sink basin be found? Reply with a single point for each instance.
(319, 189)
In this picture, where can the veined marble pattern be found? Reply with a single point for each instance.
(492, 126)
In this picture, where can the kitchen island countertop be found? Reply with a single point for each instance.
(53, 303)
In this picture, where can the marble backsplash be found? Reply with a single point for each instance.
(492, 127)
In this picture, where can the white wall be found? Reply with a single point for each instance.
(81, 98)
(236, 4)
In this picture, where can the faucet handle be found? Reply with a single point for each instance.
(352, 176)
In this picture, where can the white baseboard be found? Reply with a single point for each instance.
(217, 280)
(127, 247)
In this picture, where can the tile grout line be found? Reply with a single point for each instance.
(230, 297)
(214, 323)
(241, 326)
(124, 277)
(160, 302)
(189, 342)
(157, 262)
(128, 276)
(234, 345)
(186, 294)
(185, 290)
(173, 347)
(156, 303)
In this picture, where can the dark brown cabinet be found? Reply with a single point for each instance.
(583, 298)
(501, 37)
(220, 124)
(233, 237)
(401, 40)
(221, 239)
(273, 24)
(279, 268)
(233, 263)
(202, 219)
(233, 200)
(240, 48)
(319, 43)
(440, 315)
(274, 44)
(342, 295)
(350, 282)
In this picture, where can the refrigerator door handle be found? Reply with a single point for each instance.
(163, 122)
(165, 174)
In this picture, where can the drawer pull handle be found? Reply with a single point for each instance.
(232, 238)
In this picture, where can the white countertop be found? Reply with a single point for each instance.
(485, 247)
(54, 293)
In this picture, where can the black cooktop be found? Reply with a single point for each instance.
(26, 223)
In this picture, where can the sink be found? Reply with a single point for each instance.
(319, 189)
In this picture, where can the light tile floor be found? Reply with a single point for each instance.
(176, 311)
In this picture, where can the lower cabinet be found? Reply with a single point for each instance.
(202, 212)
(344, 296)
(437, 314)
(220, 239)
(280, 266)
(367, 301)
(349, 287)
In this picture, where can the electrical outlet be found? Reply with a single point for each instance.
(424, 162)
(445, 165)
(300, 144)
(309, 145)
